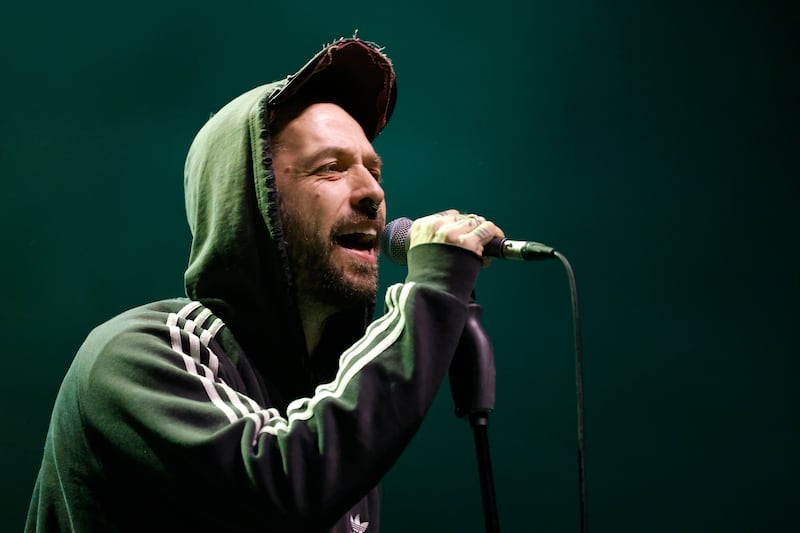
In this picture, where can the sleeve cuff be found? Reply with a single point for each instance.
(444, 266)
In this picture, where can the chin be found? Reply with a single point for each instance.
(366, 289)
(351, 285)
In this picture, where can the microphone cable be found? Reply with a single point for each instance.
(395, 242)
(578, 388)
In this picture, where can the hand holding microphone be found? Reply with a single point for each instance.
(468, 231)
(471, 232)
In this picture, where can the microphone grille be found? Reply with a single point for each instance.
(395, 238)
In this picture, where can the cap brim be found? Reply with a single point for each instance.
(352, 73)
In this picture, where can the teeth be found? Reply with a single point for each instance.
(363, 231)
(369, 231)
(357, 240)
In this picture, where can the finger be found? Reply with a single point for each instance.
(461, 221)
(436, 220)
(475, 217)
(485, 232)
(464, 222)
(450, 226)
(467, 230)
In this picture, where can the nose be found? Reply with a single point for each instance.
(367, 194)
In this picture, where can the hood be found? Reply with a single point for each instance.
(238, 265)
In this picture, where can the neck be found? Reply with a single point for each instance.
(314, 316)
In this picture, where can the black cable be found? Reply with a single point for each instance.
(480, 362)
(579, 390)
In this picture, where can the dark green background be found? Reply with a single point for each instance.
(656, 145)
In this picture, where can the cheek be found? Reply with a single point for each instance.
(330, 200)
(319, 204)
(296, 196)
(312, 210)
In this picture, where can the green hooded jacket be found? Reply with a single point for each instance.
(207, 413)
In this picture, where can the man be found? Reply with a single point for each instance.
(267, 401)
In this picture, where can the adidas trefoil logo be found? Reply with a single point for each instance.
(356, 525)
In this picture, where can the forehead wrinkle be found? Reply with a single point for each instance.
(321, 131)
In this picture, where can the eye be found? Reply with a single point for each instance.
(331, 167)
(376, 173)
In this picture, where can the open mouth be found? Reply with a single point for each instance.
(356, 241)
(363, 239)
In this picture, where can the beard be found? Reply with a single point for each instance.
(318, 279)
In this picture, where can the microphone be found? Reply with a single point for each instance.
(396, 238)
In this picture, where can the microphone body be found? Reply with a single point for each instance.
(396, 239)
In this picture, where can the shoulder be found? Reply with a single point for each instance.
(148, 343)
(152, 332)
(152, 318)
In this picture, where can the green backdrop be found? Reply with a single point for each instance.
(655, 145)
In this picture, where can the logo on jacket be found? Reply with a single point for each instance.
(356, 525)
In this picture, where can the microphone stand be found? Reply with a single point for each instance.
(472, 386)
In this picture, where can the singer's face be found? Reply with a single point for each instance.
(327, 173)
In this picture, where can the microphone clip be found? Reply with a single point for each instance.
(472, 372)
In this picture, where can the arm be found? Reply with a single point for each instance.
(159, 414)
